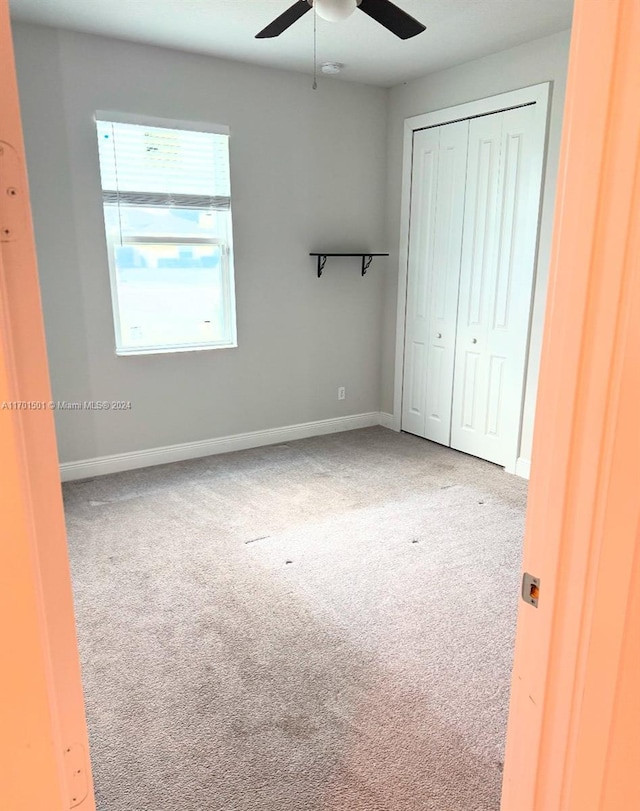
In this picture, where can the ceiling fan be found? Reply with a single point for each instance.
(382, 11)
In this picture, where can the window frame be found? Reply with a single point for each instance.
(227, 271)
(228, 294)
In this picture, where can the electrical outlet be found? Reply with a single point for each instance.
(342, 393)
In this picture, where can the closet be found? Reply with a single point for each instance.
(473, 224)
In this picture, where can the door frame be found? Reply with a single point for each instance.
(538, 94)
(44, 745)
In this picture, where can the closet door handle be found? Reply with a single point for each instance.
(439, 335)
(474, 340)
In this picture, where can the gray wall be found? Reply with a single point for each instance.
(538, 61)
(308, 173)
(310, 170)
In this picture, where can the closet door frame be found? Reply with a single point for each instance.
(539, 95)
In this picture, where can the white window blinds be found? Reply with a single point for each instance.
(157, 166)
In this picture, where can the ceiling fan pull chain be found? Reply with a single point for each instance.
(315, 48)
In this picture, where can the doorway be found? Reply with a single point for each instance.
(472, 191)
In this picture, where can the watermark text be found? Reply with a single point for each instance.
(65, 405)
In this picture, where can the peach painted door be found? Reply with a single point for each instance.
(44, 759)
(573, 741)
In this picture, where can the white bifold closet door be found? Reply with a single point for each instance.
(473, 229)
(498, 257)
(437, 206)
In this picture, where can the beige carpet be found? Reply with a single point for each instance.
(325, 625)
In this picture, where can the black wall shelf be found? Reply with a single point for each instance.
(367, 259)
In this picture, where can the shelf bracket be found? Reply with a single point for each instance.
(367, 259)
(322, 261)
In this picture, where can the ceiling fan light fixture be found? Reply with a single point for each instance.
(334, 11)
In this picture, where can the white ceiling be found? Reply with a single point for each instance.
(457, 31)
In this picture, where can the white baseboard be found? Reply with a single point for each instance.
(102, 465)
(389, 421)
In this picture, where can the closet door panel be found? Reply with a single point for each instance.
(479, 256)
(498, 256)
(437, 205)
(424, 179)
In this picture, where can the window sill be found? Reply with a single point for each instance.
(170, 350)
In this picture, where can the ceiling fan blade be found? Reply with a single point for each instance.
(400, 23)
(290, 16)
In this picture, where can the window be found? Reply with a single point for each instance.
(167, 211)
